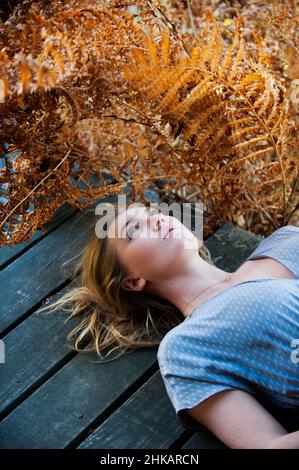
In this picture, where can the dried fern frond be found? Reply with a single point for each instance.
(204, 107)
(228, 106)
(59, 67)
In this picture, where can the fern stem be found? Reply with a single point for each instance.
(167, 22)
(152, 125)
(263, 124)
(191, 17)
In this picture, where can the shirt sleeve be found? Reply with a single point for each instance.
(186, 394)
(188, 385)
(282, 245)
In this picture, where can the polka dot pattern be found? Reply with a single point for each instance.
(240, 338)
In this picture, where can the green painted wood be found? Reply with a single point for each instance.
(9, 253)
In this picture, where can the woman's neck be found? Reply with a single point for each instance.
(181, 286)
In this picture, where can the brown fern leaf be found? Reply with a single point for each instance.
(206, 112)
(203, 97)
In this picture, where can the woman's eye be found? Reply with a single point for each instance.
(132, 229)
(156, 210)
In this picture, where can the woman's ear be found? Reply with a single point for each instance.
(133, 283)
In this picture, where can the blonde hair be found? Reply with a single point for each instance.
(111, 314)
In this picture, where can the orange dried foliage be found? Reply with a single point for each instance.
(97, 92)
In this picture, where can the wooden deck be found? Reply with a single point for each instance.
(52, 397)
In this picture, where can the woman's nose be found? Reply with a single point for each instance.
(157, 222)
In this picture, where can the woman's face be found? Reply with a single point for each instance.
(145, 246)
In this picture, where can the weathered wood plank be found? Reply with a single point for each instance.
(146, 420)
(9, 253)
(33, 349)
(32, 276)
(81, 392)
(230, 246)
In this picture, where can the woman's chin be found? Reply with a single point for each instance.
(187, 241)
(192, 244)
(200, 242)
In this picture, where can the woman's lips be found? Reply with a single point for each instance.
(170, 229)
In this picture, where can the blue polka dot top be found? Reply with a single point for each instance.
(244, 337)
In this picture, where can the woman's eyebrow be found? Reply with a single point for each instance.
(147, 208)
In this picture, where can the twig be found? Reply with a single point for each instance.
(34, 189)
(193, 194)
(289, 216)
(154, 127)
(260, 208)
(168, 22)
(191, 18)
(114, 116)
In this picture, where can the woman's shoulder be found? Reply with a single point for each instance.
(161, 354)
(279, 234)
(283, 232)
(283, 246)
